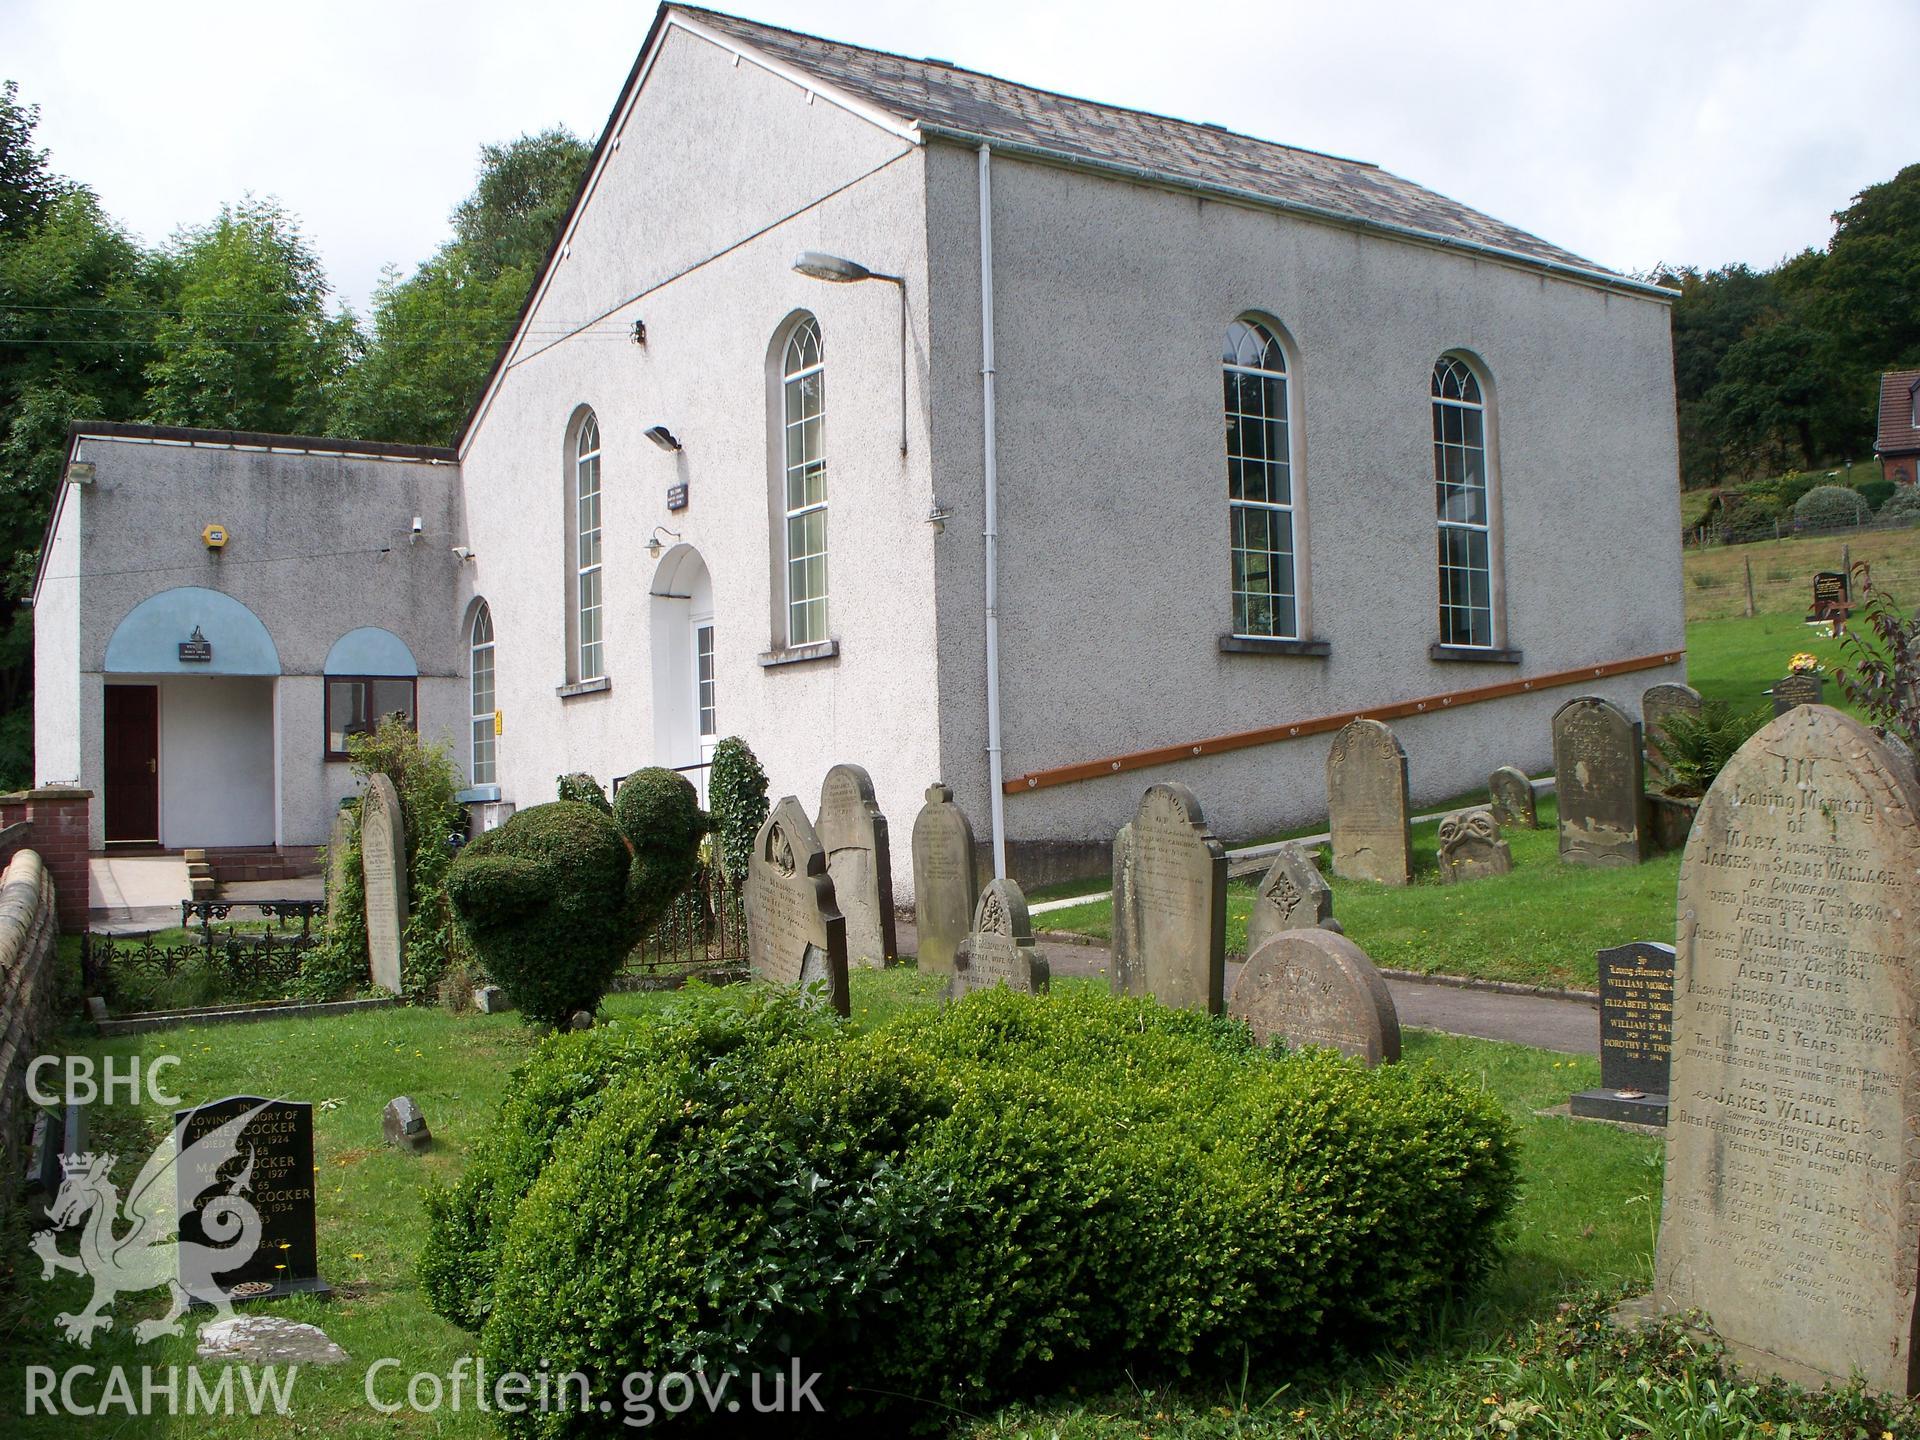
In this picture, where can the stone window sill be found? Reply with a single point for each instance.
(1268, 645)
(583, 687)
(800, 654)
(1472, 655)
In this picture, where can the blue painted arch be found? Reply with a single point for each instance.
(371, 651)
(147, 641)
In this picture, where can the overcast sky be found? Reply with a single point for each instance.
(1635, 133)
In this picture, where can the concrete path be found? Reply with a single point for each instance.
(136, 892)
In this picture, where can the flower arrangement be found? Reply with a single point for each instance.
(1804, 664)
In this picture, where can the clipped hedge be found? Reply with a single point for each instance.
(1013, 1194)
(659, 813)
(1830, 507)
(737, 790)
(583, 789)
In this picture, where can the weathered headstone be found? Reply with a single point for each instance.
(1636, 1035)
(1656, 704)
(491, 1000)
(945, 887)
(1511, 794)
(1170, 903)
(339, 853)
(854, 834)
(796, 934)
(383, 875)
(999, 949)
(262, 1339)
(241, 1152)
(1471, 847)
(1791, 1212)
(403, 1126)
(1802, 687)
(1367, 805)
(1293, 895)
(1313, 987)
(1598, 778)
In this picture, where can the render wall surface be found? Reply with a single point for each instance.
(1111, 303)
(56, 651)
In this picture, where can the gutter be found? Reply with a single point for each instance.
(991, 526)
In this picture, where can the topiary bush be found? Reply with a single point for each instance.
(1011, 1194)
(659, 813)
(1903, 504)
(1876, 492)
(1829, 507)
(583, 789)
(543, 902)
(737, 790)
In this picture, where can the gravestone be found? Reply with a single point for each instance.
(1636, 1035)
(1656, 704)
(945, 887)
(1313, 987)
(339, 848)
(383, 875)
(1511, 794)
(1598, 779)
(854, 834)
(796, 934)
(1832, 597)
(1471, 847)
(1791, 1213)
(1293, 895)
(999, 949)
(1170, 903)
(1367, 805)
(1802, 687)
(403, 1126)
(247, 1151)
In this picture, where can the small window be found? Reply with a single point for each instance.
(1260, 484)
(1463, 506)
(703, 672)
(356, 704)
(485, 742)
(589, 653)
(803, 397)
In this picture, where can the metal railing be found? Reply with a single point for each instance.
(703, 931)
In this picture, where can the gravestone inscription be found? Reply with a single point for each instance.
(1802, 687)
(1471, 847)
(1313, 987)
(1636, 1035)
(241, 1152)
(1791, 1212)
(796, 934)
(999, 949)
(383, 875)
(1656, 704)
(945, 886)
(1367, 809)
(1511, 793)
(854, 833)
(1599, 780)
(1170, 903)
(1293, 895)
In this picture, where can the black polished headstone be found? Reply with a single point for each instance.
(277, 1143)
(1636, 1035)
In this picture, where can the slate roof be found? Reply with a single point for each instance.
(1898, 434)
(945, 98)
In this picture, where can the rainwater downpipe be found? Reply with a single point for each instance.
(992, 520)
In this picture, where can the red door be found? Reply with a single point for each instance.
(133, 763)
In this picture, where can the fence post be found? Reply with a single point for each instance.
(1749, 587)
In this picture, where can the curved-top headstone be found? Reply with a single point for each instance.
(945, 886)
(1511, 794)
(1170, 903)
(1313, 987)
(1367, 805)
(1656, 704)
(1791, 1211)
(999, 950)
(1292, 895)
(854, 834)
(1470, 847)
(1599, 782)
(383, 874)
(796, 934)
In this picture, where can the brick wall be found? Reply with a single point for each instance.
(55, 821)
(28, 986)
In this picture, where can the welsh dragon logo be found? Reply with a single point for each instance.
(149, 1253)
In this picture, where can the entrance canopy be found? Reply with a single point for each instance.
(168, 633)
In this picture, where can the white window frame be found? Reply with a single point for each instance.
(807, 621)
(706, 714)
(1237, 360)
(589, 574)
(484, 751)
(1470, 409)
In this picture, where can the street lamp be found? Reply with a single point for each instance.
(837, 270)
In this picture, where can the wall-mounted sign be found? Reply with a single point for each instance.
(196, 649)
(677, 497)
(214, 537)
(499, 723)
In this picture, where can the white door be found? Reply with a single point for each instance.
(706, 720)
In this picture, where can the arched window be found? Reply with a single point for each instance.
(1266, 600)
(1463, 504)
(589, 655)
(803, 407)
(485, 744)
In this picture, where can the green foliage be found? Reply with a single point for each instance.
(542, 900)
(1882, 676)
(659, 813)
(737, 791)
(339, 964)
(583, 789)
(1012, 1193)
(1696, 747)
(1830, 507)
(1902, 504)
(1876, 492)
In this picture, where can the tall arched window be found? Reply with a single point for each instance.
(1463, 505)
(589, 654)
(1260, 484)
(803, 406)
(485, 745)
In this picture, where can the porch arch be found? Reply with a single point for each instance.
(147, 641)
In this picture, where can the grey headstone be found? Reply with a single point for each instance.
(1599, 780)
(263, 1339)
(491, 1000)
(383, 872)
(339, 855)
(796, 934)
(945, 887)
(1803, 687)
(854, 834)
(96, 1008)
(1367, 805)
(1511, 794)
(1170, 904)
(1293, 895)
(580, 1020)
(1656, 705)
(1791, 1212)
(1471, 847)
(999, 949)
(403, 1126)
(1313, 987)
(1636, 1035)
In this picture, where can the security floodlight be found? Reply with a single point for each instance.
(663, 437)
(462, 553)
(819, 265)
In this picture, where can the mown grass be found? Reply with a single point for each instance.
(1783, 571)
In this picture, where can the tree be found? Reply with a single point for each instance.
(1868, 292)
(27, 185)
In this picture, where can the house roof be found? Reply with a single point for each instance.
(1898, 434)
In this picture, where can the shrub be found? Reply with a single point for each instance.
(583, 789)
(1012, 1193)
(737, 790)
(1876, 492)
(1882, 676)
(659, 813)
(543, 902)
(1903, 504)
(1696, 747)
(1829, 507)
